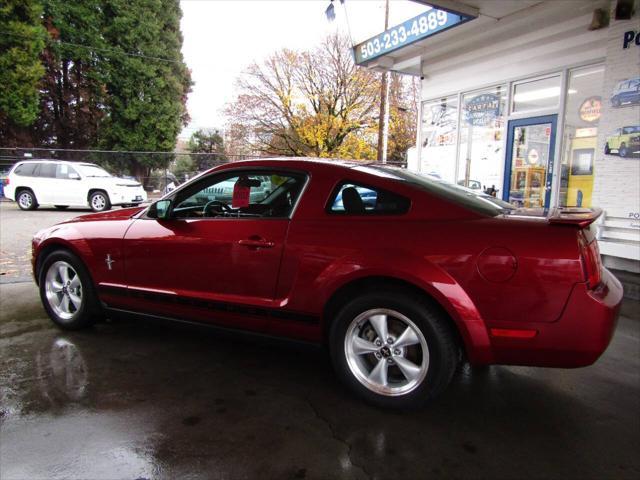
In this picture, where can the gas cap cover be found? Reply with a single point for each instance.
(497, 264)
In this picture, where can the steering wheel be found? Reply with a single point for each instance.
(222, 207)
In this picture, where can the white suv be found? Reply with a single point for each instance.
(64, 184)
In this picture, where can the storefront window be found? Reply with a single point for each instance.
(581, 135)
(439, 137)
(537, 95)
(481, 157)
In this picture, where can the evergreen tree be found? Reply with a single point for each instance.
(145, 94)
(21, 42)
(73, 95)
(207, 141)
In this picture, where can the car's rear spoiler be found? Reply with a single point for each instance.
(580, 217)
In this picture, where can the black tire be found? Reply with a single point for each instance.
(26, 200)
(89, 310)
(61, 207)
(99, 201)
(623, 152)
(607, 150)
(440, 340)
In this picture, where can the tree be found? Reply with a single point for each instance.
(113, 77)
(207, 141)
(21, 42)
(146, 91)
(404, 97)
(73, 93)
(313, 103)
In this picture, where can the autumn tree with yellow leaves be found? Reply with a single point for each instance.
(316, 103)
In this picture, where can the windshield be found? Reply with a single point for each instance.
(472, 199)
(93, 171)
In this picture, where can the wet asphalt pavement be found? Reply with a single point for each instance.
(131, 400)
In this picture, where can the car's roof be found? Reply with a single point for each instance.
(301, 162)
(51, 160)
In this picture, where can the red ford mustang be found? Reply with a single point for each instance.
(401, 276)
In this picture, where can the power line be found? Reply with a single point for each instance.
(130, 152)
(97, 49)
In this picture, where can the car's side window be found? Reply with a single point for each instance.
(47, 170)
(355, 199)
(264, 194)
(66, 172)
(25, 170)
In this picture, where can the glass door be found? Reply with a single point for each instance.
(529, 163)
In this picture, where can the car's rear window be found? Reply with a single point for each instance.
(356, 199)
(25, 169)
(478, 202)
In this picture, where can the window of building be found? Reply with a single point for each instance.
(536, 95)
(439, 138)
(480, 160)
(580, 142)
(355, 199)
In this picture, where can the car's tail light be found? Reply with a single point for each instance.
(5, 181)
(591, 262)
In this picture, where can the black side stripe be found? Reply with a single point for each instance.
(211, 305)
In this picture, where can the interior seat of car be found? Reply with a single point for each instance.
(352, 202)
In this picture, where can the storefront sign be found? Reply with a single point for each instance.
(631, 37)
(482, 109)
(586, 132)
(590, 109)
(424, 25)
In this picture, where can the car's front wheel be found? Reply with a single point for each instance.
(67, 292)
(26, 200)
(394, 349)
(99, 201)
(623, 152)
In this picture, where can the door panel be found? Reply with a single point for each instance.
(231, 261)
(529, 163)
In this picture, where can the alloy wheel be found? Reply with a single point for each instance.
(98, 202)
(63, 290)
(386, 352)
(25, 200)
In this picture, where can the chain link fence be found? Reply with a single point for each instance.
(158, 172)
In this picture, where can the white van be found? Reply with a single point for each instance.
(69, 184)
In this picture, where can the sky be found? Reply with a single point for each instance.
(223, 37)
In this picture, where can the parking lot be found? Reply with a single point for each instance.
(141, 400)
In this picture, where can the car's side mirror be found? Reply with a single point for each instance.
(74, 176)
(160, 210)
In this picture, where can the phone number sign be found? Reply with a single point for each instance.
(424, 25)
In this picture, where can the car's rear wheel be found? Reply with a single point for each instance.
(26, 200)
(99, 201)
(67, 292)
(607, 150)
(393, 349)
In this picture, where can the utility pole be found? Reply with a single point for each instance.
(383, 119)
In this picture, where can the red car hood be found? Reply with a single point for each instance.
(120, 214)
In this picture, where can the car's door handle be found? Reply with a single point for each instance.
(256, 242)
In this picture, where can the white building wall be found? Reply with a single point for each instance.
(617, 180)
(525, 48)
